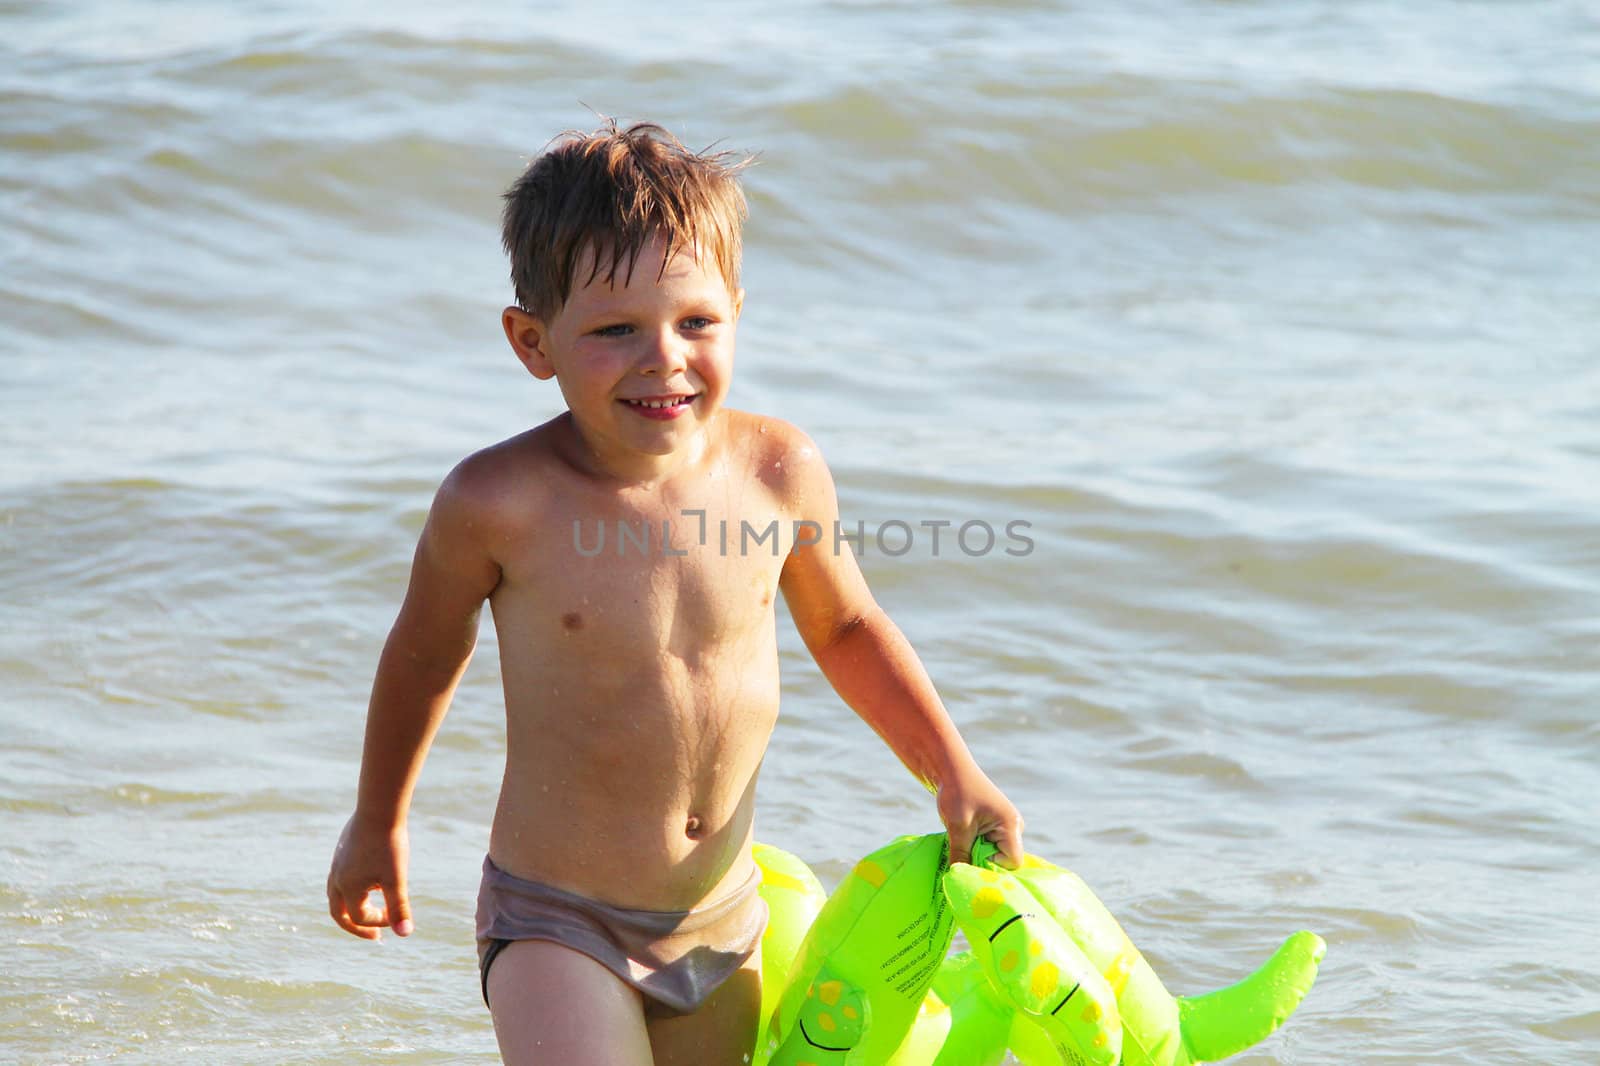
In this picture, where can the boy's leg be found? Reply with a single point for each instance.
(553, 1006)
(722, 1032)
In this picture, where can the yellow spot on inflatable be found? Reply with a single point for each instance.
(1100, 1040)
(827, 1023)
(1008, 961)
(849, 1012)
(1121, 966)
(829, 991)
(871, 873)
(986, 902)
(1045, 979)
(1091, 1013)
(778, 879)
(1035, 948)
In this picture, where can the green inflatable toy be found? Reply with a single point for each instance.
(1156, 1029)
(1036, 966)
(963, 1021)
(793, 896)
(865, 968)
(865, 978)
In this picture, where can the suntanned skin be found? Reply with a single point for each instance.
(641, 684)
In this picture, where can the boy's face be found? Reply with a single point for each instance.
(643, 362)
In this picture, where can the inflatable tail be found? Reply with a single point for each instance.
(1225, 1022)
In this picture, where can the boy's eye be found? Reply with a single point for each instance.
(618, 330)
(698, 322)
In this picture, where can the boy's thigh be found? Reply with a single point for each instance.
(722, 1032)
(553, 1006)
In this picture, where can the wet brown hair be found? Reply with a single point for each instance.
(612, 191)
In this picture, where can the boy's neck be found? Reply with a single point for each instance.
(628, 468)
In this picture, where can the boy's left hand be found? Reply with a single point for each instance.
(972, 806)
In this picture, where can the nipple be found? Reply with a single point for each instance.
(694, 830)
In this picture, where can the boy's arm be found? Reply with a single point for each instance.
(874, 669)
(427, 651)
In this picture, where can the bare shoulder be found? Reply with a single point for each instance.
(782, 456)
(499, 491)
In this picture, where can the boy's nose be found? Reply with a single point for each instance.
(666, 354)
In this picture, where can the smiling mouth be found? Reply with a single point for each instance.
(660, 404)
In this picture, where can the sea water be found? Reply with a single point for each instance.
(1273, 323)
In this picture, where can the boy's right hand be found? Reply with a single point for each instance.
(365, 860)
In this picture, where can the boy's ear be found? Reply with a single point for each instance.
(738, 304)
(528, 339)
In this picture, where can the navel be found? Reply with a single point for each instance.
(694, 829)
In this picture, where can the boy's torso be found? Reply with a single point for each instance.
(639, 659)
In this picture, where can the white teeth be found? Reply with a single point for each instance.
(659, 403)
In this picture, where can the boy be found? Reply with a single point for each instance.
(618, 919)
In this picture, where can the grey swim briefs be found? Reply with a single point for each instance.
(676, 959)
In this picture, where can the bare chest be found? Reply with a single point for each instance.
(637, 580)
